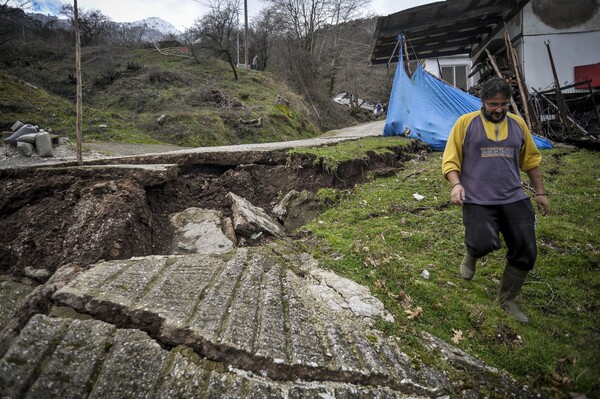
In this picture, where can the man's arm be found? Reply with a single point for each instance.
(541, 198)
(457, 193)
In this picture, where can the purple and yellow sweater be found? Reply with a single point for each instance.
(488, 157)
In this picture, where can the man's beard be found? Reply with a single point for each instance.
(495, 116)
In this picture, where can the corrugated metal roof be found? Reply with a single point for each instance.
(442, 28)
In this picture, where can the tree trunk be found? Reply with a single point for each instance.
(233, 68)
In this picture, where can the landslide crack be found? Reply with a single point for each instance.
(169, 336)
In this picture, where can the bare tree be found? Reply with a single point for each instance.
(216, 31)
(343, 56)
(128, 34)
(189, 38)
(264, 32)
(93, 25)
(8, 8)
(79, 102)
(304, 17)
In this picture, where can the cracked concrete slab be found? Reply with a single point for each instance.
(255, 310)
(60, 357)
(250, 322)
(12, 295)
(249, 219)
(247, 309)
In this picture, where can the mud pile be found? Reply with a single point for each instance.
(57, 215)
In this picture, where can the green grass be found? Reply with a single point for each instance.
(330, 157)
(204, 105)
(379, 235)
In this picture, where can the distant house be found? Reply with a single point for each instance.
(555, 46)
(454, 69)
(453, 35)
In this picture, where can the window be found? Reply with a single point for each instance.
(456, 75)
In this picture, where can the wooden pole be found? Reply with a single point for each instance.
(511, 54)
(499, 74)
(246, 34)
(79, 107)
(562, 105)
(406, 55)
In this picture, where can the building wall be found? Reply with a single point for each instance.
(433, 65)
(568, 50)
(573, 31)
(559, 16)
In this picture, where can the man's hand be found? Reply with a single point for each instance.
(535, 176)
(457, 195)
(542, 204)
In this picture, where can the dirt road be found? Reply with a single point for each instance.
(65, 153)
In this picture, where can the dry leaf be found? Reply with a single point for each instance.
(393, 296)
(379, 283)
(458, 336)
(405, 301)
(370, 261)
(414, 314)
(561, 379)
(576, 395)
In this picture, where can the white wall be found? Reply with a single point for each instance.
(532, 25)
(571, 47)
(568, 50)
(431, 65)
(574, 46)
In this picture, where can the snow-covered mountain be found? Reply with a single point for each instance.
(155, 28)
(49, 19)
(155, 23)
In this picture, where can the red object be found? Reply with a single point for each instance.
(587, 72)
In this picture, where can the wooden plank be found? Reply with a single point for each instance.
(493, 62)
(512, 56)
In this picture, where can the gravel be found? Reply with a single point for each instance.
(66, 152)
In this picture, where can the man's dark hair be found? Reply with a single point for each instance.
(495, 86)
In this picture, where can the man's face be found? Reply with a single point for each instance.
(496, 107)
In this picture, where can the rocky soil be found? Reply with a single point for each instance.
(57, 215)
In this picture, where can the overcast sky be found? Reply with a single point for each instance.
(182, 13)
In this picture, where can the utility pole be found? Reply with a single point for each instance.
(246, 34)
(237, 25)
(79, 106)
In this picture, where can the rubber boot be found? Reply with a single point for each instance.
(467, 267)
(512, 281)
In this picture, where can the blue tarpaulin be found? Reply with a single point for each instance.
(426, 108)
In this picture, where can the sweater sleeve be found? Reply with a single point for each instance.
(530, 156)
(453, 153)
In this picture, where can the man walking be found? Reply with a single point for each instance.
(485, 152)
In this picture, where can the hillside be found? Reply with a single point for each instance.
(127, 90)
(182, 93)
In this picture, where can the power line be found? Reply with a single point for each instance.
(342, 40)
(202, 3)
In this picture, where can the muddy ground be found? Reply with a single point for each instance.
(54, 216)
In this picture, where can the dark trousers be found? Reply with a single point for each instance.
(515, 221)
